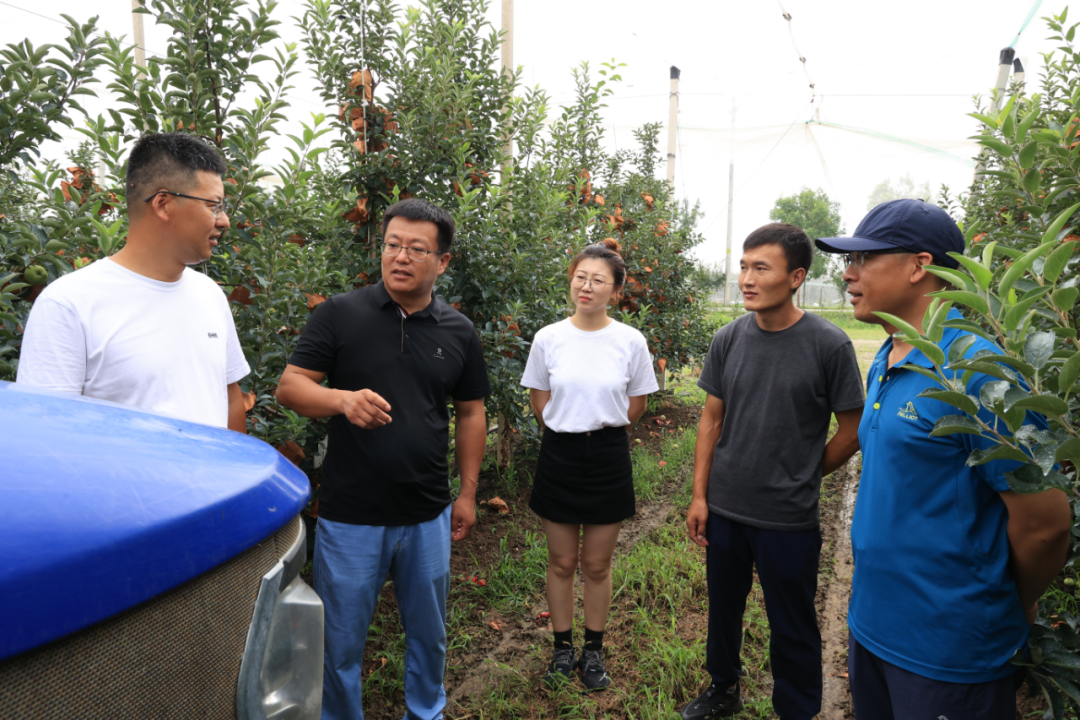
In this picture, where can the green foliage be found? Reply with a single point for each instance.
(38, 90)
(1017, 286)
(818, 216)
(424, 110)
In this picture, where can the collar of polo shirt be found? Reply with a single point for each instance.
(433, 310)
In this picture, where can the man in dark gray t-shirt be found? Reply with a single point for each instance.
(774, 378)
(780, 390)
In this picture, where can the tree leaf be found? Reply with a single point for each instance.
(1059, 222)
(1027, 154)
(1049, 405)
(1032, 181)
(1025, 124)
(1070, 373)
(930, 374)
(1001, 148)
(900, 324)
(968, 326)
(967, 403)
(1064, 299)
(982, 274)
(954, 277)
(1056, 262)
(1068, 450)
(1030, 479)
(1001, 452)
(972, 300)
(1018, 268)
(960, 346)
(992, 396)
(1038, 348)
(953, 424)
(1017, 311)
(934, 353)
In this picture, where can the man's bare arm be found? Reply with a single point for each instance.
(470, 439)
(709, 428)
(1038, 531)
(844, 443)
(237, 411)
(300, 390)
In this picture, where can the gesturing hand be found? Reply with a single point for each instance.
(366, 408)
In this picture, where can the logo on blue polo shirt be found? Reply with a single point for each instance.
(908, 412)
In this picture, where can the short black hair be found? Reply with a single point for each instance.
(796, 244)
(417, 209)
(171, 159)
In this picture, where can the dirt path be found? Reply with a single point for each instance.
(833, 602)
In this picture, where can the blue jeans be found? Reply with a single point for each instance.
(351, 563)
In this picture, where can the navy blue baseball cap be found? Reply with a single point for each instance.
(911, 225)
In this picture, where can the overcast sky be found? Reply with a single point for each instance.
(900, 78)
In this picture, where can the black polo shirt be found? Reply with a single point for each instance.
(396, 474)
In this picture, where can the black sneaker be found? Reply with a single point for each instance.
(593, 674)
(561, 668)
(715, 702)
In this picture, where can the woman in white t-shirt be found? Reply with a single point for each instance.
(588, 378)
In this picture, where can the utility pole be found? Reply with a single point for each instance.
(140, 38)
(1005, 66)
(507, 61)
(730, 207)
(503, 446)
(673, 128)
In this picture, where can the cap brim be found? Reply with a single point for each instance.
(849, 244)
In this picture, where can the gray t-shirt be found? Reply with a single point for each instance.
(779, 391)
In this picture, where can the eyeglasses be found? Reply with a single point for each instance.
(415, 254)
(859, 258)
(220, 206)
(594, 283)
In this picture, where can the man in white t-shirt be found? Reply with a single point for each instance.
(141, 328)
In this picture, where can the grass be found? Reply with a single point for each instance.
(656, 634)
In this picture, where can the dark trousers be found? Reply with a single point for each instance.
(882, 691)
(787, 565)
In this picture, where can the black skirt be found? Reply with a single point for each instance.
(584, 478)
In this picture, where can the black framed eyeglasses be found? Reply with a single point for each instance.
(858, 258)
(220, 206)
(415, 254)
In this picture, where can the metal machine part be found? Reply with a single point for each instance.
(173, 657)
(282, 670)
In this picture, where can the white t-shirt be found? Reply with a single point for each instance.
(107, 332)
(591, 375)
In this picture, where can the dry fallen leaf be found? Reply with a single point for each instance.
(498, 504)
(496, 624)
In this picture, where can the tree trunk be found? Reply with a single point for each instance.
(503, 451)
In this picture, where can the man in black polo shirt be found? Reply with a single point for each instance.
(393, 354)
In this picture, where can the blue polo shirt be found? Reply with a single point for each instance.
(932, 592)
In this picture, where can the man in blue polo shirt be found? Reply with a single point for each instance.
(949, 563)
